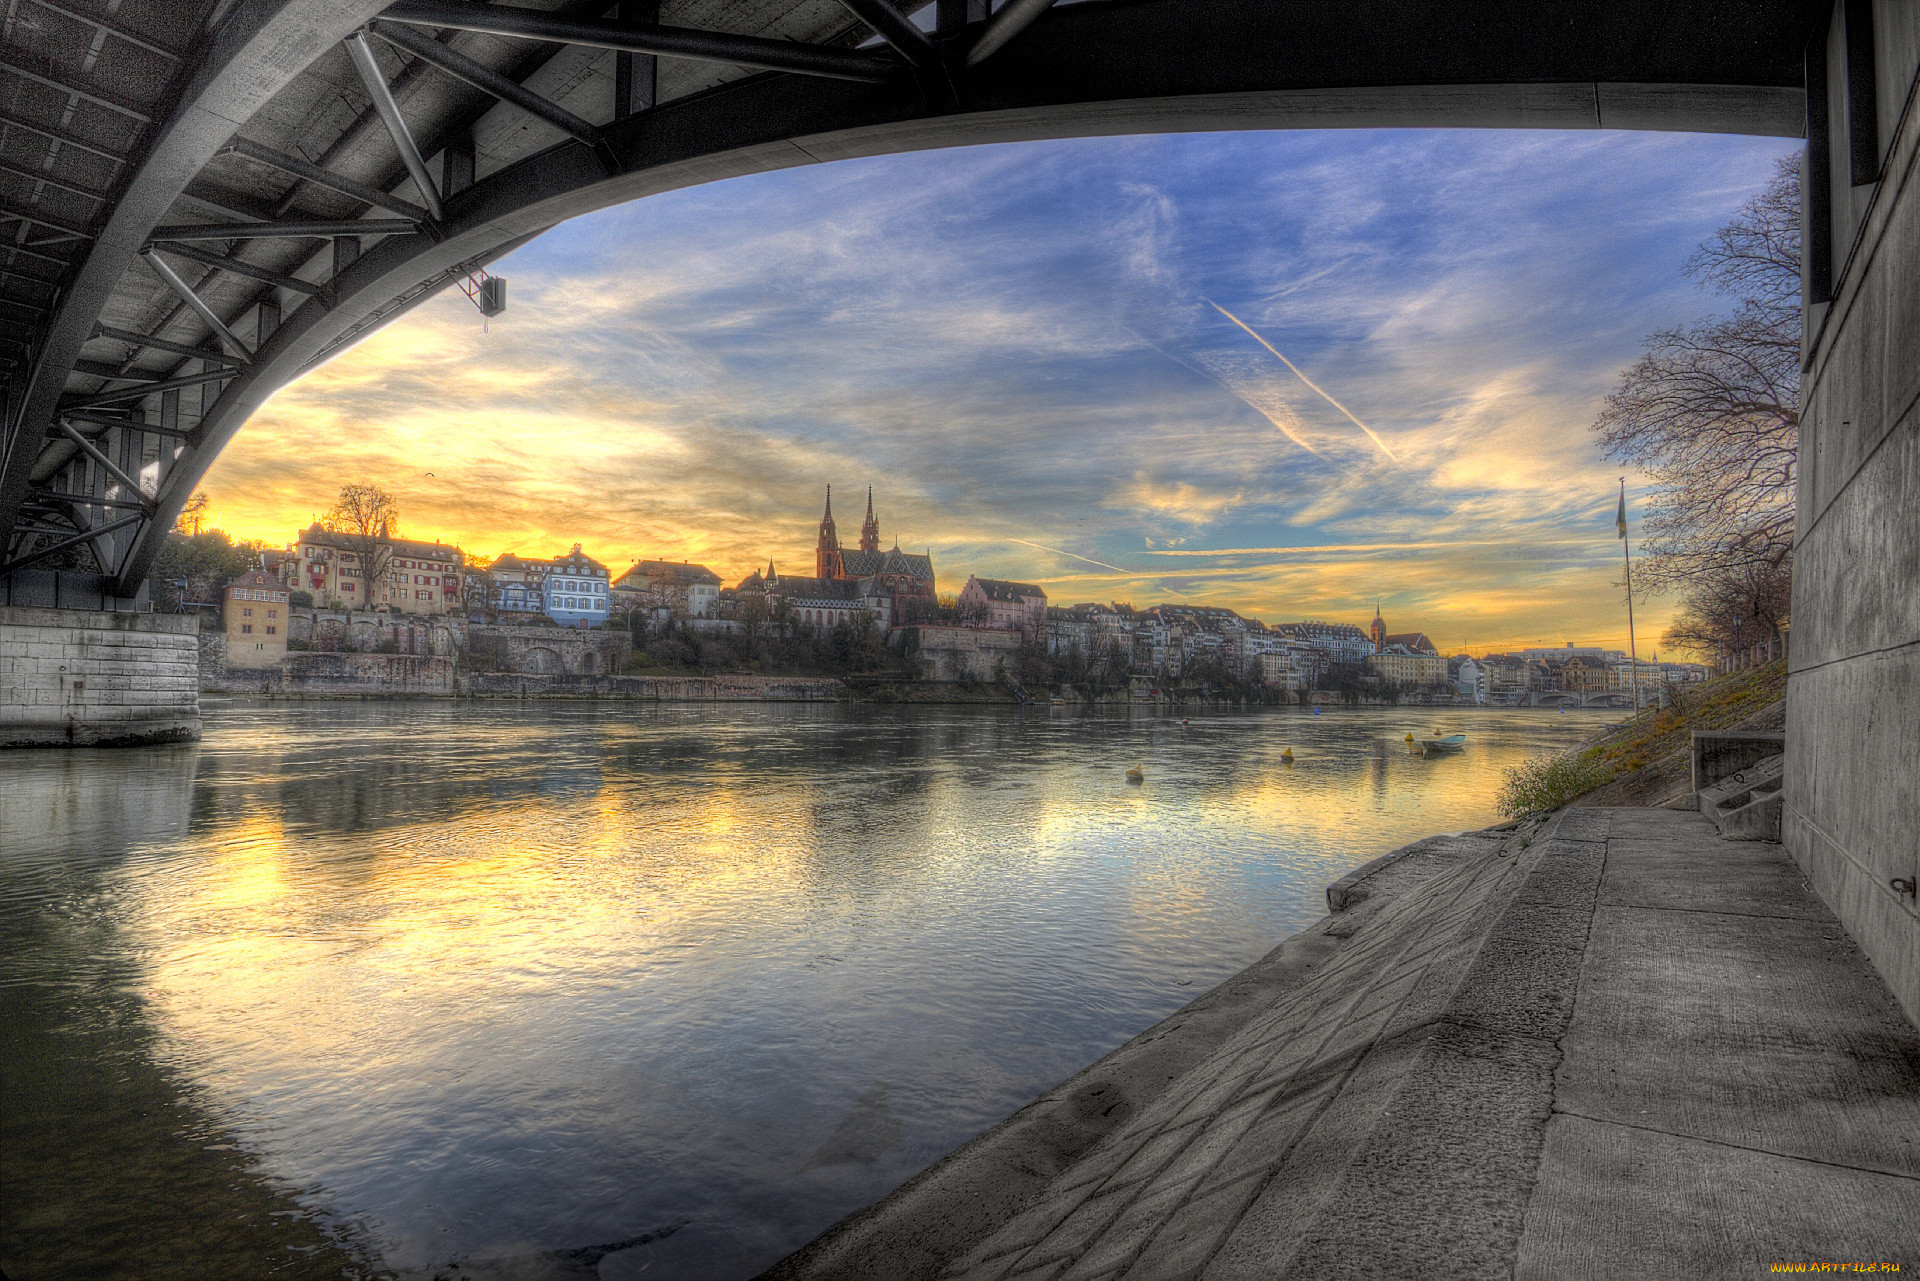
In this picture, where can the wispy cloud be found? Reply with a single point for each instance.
(1316, 387)
(1016, 346)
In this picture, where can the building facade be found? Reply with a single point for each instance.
(577, 590)
(1404, 668)
(256, 617)
(347, 571)
(683, 589)
(997, 603)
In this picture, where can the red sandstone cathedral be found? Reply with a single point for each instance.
(850, 584)
(896, 572)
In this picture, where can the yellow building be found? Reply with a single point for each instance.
(256, 613)
(344, 571)
(1408, 669)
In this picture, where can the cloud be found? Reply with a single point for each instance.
(1011, 344)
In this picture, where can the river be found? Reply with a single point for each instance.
(373, 987)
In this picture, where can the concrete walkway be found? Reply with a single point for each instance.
(1626, 1049)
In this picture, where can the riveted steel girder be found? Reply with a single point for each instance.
(1027, 72)
(256, 51)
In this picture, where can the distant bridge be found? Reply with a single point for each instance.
(1582, 698)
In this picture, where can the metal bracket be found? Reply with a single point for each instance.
(488, 293)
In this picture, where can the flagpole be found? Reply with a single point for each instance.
(1633, 648)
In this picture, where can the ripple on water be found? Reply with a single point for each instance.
(423, 982)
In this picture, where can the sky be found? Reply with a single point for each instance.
(1291, 373)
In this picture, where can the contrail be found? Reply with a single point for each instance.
(1303, 378)
(1101, 563)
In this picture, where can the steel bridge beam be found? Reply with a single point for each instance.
(255, 52)
(1029, 72)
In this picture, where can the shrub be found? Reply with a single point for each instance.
(387, 647)
(1547, 783)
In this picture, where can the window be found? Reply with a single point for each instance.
(346, 587)
(270, 629)
(246, 629)
(273, 613)
(246, 613)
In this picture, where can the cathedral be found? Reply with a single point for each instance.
(849, 584)
(894, 572)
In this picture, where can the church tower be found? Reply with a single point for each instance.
(1379, 630)
(870, 532)
(826, 557)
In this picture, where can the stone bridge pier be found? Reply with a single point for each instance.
(80, 667)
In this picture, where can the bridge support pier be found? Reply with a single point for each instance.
(1852, 800)
(99, 677)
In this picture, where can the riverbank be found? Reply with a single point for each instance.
(1557, 1048)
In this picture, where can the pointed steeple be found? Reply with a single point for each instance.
(870, 532)
(826, 555)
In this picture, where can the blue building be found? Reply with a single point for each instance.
(576, 590)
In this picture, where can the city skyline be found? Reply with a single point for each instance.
(1287, 374)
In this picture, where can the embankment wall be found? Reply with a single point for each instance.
(347, 674)
(717, 689)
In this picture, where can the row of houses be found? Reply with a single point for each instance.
(888, 590)
(1511, 677)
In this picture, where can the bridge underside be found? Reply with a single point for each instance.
(207, 199)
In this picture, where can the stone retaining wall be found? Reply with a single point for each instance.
(82, 678)
(324, 675)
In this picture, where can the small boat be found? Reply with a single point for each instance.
(1445, 743)
(1135, 776)
(1057, 702)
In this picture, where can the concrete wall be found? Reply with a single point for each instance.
(1852, 813)
(81, 678)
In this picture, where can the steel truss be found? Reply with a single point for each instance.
(156, 302)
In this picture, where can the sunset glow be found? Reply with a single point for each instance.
(1038, 356)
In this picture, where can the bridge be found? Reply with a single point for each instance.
(206, 198)
(1585, 698)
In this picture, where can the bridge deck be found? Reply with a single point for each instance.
(1629, 1049)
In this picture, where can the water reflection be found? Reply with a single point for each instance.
(504, 982)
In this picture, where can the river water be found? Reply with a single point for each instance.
(375, 987)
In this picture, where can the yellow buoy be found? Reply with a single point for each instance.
(1287, 755)
(1135, 776)
(1409, 738)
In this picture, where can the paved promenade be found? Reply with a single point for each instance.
(1617, 1046)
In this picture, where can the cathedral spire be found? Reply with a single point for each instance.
(826, 556)
(870, 532)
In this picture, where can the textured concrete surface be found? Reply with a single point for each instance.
(1852, 800)
(1614, 1046)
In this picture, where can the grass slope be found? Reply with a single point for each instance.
(1645, 760)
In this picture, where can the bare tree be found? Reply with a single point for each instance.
(367, 517)
(1711, 413)
(193, 514)
(1737, 607)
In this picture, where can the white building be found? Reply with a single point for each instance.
(1471, 683)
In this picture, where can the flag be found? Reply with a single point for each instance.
(1621, 519)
